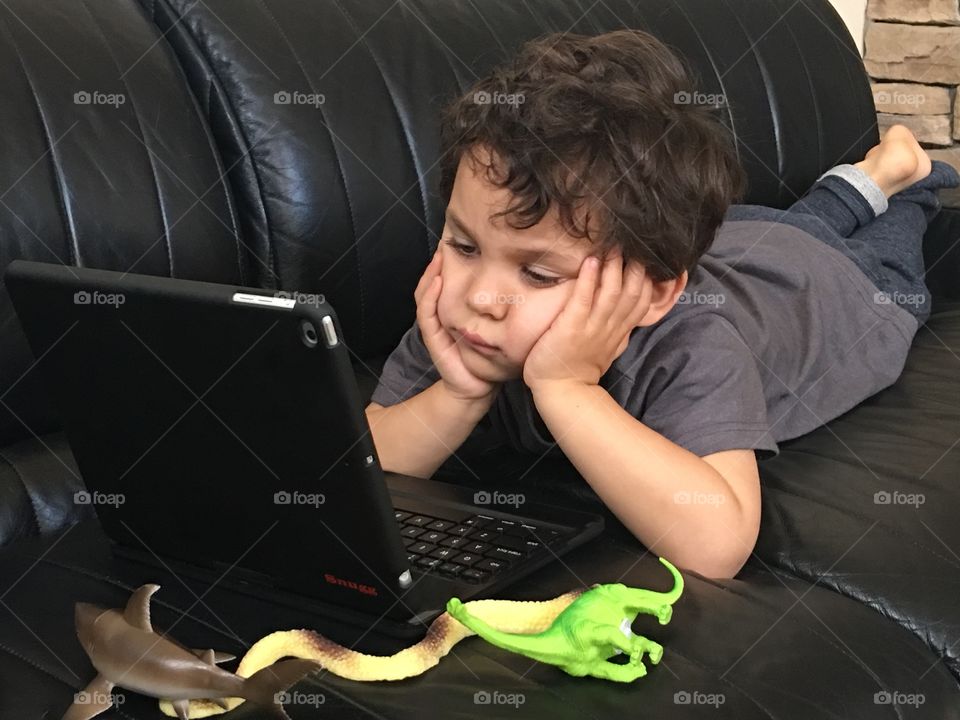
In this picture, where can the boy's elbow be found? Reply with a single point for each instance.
(727, 555)
(725, 565)
(720, 565)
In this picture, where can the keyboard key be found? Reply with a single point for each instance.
(433, 536)
(461, 529)
(445, 553)
(419, 520)
(440, 524)
(475, 547)
(401, 514)
(483, 534)
(502, 553)
(428, 563)
(455, 542)
(451, 569)
(408, 541)
(412, 557)
(491, 565)
(509, 541)
(421, 548)
(466, 558)
(472, 575)
(411, 531)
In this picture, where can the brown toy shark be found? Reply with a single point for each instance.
(126, 651)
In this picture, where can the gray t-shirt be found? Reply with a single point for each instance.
(775, 334)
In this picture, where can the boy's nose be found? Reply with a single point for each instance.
(488, 302)
(485, 296)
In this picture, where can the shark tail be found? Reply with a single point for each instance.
(267, 687)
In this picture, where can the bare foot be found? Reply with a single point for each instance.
(897, 162)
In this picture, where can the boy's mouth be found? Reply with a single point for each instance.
(475, 340)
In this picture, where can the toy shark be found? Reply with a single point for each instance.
(126, 651)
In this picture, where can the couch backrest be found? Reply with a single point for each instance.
(107, 163)
(294, 145)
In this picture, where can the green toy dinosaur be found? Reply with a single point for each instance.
(591, 630)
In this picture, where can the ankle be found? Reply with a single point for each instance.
(863, 183)
(889, 183)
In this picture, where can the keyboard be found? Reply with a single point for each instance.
(473, 549)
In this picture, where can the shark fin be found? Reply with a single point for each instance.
(137, 612)
(211, 657)
(94, 699)
(182, 708)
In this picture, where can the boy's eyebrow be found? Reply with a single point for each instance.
(544, 254)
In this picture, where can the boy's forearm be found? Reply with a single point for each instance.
(676, 504)
(416, 436)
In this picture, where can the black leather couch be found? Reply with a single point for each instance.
(848, 607)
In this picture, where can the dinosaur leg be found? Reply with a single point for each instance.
(614, 637)
(650, 605)
(606, 670)
(642, 645)
(663, 613)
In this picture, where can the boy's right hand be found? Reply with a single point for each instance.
(444, 351)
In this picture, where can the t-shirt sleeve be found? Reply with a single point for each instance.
(705, 392)
(408, 371)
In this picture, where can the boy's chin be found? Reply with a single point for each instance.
(491, 370)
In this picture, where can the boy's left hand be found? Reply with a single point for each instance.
(594, 327)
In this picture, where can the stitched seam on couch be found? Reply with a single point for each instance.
(890, 528)
(337, 155)
(34, 665)
(142, 138)
(244, 151)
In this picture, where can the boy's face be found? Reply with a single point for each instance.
(505, 285)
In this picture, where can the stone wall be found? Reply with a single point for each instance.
(912, 54)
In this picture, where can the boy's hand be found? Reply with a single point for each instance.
(594, 327)
(460, 382)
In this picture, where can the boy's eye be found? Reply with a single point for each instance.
(539, 279)
(535, 278)
(460, 247)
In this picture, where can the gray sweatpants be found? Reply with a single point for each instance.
(883, 236)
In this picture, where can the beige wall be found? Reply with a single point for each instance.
(853, 12)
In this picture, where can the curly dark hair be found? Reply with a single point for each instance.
(601, 124)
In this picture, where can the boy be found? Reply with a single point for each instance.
(707, 332)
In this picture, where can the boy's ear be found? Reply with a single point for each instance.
(665, 294)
